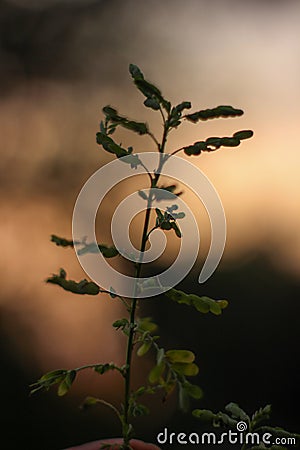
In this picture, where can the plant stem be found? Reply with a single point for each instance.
(138, 267)
(132, 325)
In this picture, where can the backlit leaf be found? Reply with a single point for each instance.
(144, 348)
(156, 373)
(66, 384)
(189, 370)
(180, 356)
(245, 134)
(214, 113)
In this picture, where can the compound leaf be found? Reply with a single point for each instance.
(83, 287)
(62, 242)
(214, 113)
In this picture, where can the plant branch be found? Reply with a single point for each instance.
(176, 151)
(138, 267)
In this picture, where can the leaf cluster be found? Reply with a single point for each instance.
(64, 378)
(82, 287)
(214, 143)
(167, 220)
(202, 304)
(255, 423)
(172, 366)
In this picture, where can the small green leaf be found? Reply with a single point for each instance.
(244, 134)
(110, 112)
(103, 368)
(184, 105)
(62, 242)
(230, 142)
(237, 412)
(151, 103)
(173, 123)
(159, 214)
(214, 113)
(66, 384)
(189, 370)
(204, 414)
(156, 373)
(214, 142)
(202, 304)
(53, 375)
(222, 303)
(180, 215)
(138, 409)
(121, 323)
(108, 252)
(195, 149)
(143, 195)
(214, 307)
(193, 390)
(180, 356)
(261, 415)
(88, 402)
(224, 419)
(176, 229)
(148, 89)
(109, 145)
(146, 324)
(165, 225)
(135, 72)
(144, 348)
(140, 391)
(48, 379)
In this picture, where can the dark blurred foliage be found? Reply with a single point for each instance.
(47, 42)
(76, 39)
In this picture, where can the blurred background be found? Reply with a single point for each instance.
(61, 61)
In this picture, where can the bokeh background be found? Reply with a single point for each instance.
(60, 62)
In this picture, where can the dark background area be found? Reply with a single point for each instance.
(60, 62)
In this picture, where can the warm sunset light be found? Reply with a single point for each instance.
(61, 63)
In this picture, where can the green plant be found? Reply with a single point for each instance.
(254, 424)
(174, 367)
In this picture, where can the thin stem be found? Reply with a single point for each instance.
(164, 139)
(132, 316)
(112, 407)
(149, 232)
(163, 116)
(138, 267)
(176, 151)
(148, 173)
(92, 366)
